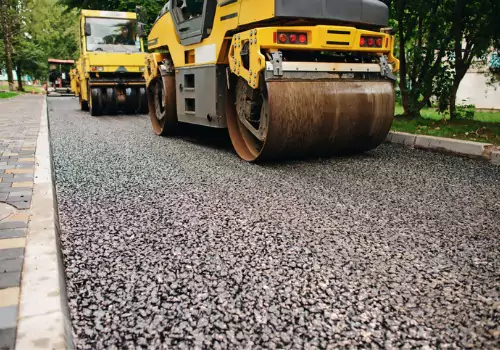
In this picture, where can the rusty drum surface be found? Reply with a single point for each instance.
(318, 118)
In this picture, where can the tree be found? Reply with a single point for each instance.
(476, 30)
(9, 20)
(151, 8)
(423, 39)
(46, 29)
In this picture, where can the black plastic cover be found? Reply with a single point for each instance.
(370, 12)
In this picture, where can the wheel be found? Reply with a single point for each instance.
(248, 120)
(162, 105)
(142, 99)
(84, 105)
(111, 102)
(300, 118)
(131, 101)
(96, 102)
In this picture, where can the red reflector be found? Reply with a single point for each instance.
(371, 42)
(379, 42)
(283, 38)
(303, 38)
(275, 35)
(362, 42)
(293, 38)
(387, 42)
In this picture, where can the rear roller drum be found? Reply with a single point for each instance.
(298, 118)
(96, 102)
(162, 105)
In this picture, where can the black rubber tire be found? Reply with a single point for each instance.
(142, 101)
(96, 104)
(111, 102)
(131, 100)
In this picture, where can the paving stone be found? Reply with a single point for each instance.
(19, 171)
(25, 166)
(10, 243)
(9, 297)
(22, 190)
(6, 176)
(22, 184)
(13, 224)
(3, 197)
(12, 233)
(11, 265)
(10, 279)
(21, 205)
(8, 317)
(19, 197)
(8, 338)
(24, 177)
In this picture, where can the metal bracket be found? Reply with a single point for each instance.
(386, 69)
(277, 60)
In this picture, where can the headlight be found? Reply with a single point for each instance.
(97, 68)
(141, 69)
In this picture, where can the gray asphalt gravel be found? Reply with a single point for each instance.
(176, 243)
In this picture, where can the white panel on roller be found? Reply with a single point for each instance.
(205, 54)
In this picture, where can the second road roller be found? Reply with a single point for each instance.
(287, 78)
(109, 73)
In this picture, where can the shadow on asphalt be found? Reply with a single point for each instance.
(218, 139)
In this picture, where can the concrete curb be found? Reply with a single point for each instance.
(43, 313)
(485, 151)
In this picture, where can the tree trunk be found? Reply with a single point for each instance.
(403, 67)
(453, 95)
(6, 28)
(453, 102)
(19, 72)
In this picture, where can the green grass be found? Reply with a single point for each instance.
(8, 94)
(484, 128)
(27, 88)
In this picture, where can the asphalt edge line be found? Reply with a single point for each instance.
(472, 149)
(43, 320)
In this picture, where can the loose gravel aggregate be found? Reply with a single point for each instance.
(176, 243)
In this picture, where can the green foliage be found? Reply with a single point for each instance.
(438, 41)
(150, 8)
(43, 29)
(423, 39)
(460, 129)
(8, 94)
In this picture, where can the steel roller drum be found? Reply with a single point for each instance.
(318, 118)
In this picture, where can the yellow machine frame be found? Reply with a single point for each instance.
(238, 72)
(250, 12)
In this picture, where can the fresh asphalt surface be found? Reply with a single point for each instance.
(176, 243)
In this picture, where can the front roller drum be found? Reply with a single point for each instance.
(162, 105)
(300, 118)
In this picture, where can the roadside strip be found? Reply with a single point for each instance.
(43, 315)
(485, 151)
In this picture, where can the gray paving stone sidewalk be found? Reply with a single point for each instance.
(19, 126)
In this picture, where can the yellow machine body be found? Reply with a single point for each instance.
(109, 75)
(336, 69)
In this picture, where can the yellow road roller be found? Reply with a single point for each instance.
(287, 78)
(109, 73)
